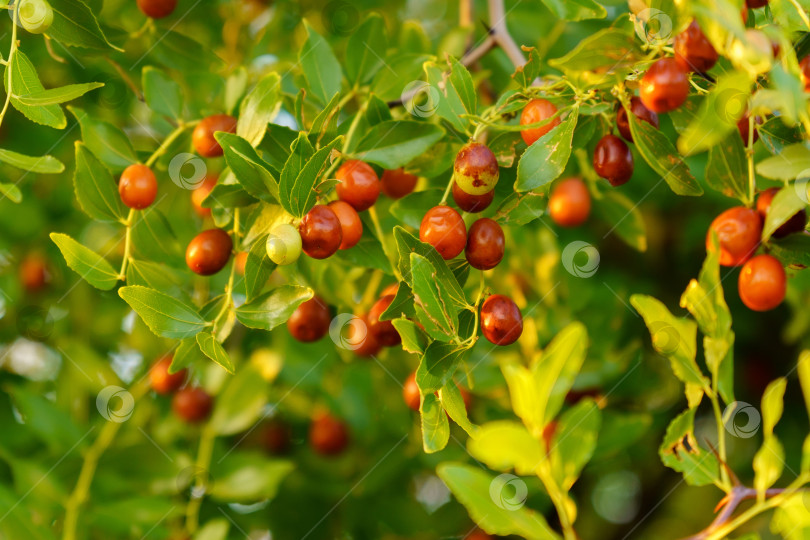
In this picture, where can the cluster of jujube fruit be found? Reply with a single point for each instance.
(189, 402)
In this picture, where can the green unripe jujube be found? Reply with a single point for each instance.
(284, 244)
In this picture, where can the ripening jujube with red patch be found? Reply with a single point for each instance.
(501, 320)
(795, 224)
(472, 203)
(383, 331)
(137, 186)
(396, 183)
(321, 232)
(157, 9)
(476, 169)
(537, 110)
(693, 50)
(612, 160)
(161, 380)
(443, 228)
(738, 232)
(359, 185)
(762, 283)
(203, 135)
(209, 252)
(351, 227)
(328, 434)
(569, 203)
(485, 244)
(192, 404)
(640, 112)
(310, 321)
(665, 86)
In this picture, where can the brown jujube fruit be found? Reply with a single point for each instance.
(485, 244)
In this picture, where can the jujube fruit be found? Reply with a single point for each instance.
(537, 110)
(612, 160)
(328, 435)
(275, 437)
(476, 169)
(283, 244)
(569, 203)
(443, 228)
(693, 50)
(485, 244)
(804, 72)
(240, 261)
(199, 194)
(370, 345)
(359, 185)
(209, 252)
(501, 321)
(161, 380)
(738, 232)
(137, 186)
(203, 136)
(321, 233)
(472, 203)
(410, 392)
(640, 111)
(754, 4)
(397, 183)
(390, 289)
(762, 283)
(795, 224)
(157, 9)
(310, 321)
(36, 16)
(33, 272)
(665, 86)
(350, 225)
(192, 404)
(383, 331)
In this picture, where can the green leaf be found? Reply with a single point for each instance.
(785, 204)
(803, 367)
(228, 195)
(528, 72)
(53, 96)
(475, 488)
(393, 143)
(24, 81)
(249, 169)
(791, 519)
(175, 50)
(769, 462)
(727, 169)
(365, 50)
(789, 164)
(213, 349)
(320, 67)
(718, 114)
(106, 141)
(216, 529)
(259, 108)
(663, 158)
(435, 426)
(775, 135)
(324, 126)
(91, 266)
(368, 253)
(411, 208)
(185, 354)
(74, 24)
(275, 146)
(249, 478)
(155, 276)
(438, 365)
(793, 249)
(95, 187)
(434, 304)
(163, 95)
(54, 426)
(36, 164)
(554, 373)
(704, 299)
(453, 403)
(462, 83)
(624, 216)
(545, 160)
(576, 10)
(407, 244)
(406, 68)
(575, 441)
(414, 339)
(773, 405)
(611, 51)
(680, 451)
(297, 194)
(154, 239)
(164, 315)
(258, 268)
(11, 191)
(272, 308)
(506, 445)
(672, 337)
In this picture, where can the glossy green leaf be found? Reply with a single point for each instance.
(794, 160)
(272, 308)
(438, 365)
(680, 451)
(528, 72)
(435, 426)
(259, 108)
(95, 187)
(275, 146)
(249, 478)
(11, 192)
(414, 339)
(576, 10)
(37, 164)
(213, 349)
(407, 244)
(367, 253)
(434, 305)
(366, 49)
(611, 51)
(769, 462)
(785, 204)
(61, 94)
(727, 169)
(258, 268)
(90, 266)
(164, 315)
(575, 441)
(25, 81)
(411, 208)
(75, 24)
(107, 142)
(506, 445)
(154, 239)
(321, 68)
(453, 403)
(625, 218)
(162, 93)
(392, 144)
(250, 170)
(545, 160)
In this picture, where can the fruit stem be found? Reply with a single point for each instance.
(91, 457)
(122, 274)
(201, 466)
(801, 12)
(353, 127)
(375, 220)
(181, 127)
(749, 151)
(226, 305)
(558, 499)
(10, 54)
(371, 288)
(447, 191)
(721, 433)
